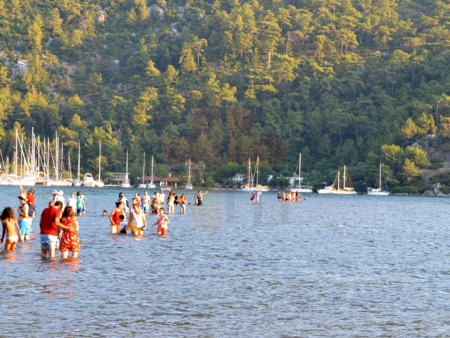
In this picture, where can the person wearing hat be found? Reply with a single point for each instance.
(24, 220)
(58, 196)
(31, 203)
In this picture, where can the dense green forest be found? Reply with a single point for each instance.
(352, 82)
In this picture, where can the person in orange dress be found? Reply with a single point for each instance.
(69, 240)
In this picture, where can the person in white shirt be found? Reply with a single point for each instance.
(162, 199)
(72, 201)
(126, 205)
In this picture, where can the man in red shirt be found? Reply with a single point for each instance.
(49, 228)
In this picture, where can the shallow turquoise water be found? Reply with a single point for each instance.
(328, 266)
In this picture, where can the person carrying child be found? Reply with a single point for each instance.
(10, 226)
(162, 222)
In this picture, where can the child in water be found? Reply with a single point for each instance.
(123, 225)
(10, 226)
(162, 222)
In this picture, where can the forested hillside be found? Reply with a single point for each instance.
(350, 82)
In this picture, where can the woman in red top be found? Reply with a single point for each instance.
(114, 217)
(69, 240)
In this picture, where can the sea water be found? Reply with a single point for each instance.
(325, 266)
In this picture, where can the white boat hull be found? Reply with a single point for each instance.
(125, 185)
(343, 192)
(99, 184)
(188, 187)
(326, 190)
(302, 190)
(378, 193)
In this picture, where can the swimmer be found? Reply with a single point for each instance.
(105, 213)
(10, 226)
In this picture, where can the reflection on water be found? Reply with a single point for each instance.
(329, 265)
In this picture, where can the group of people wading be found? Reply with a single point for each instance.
(58, 225)
(288, 196)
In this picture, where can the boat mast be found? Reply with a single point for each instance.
(343, 180)
(69, 165)
(189, 171)
(143, 170)
(380, 175)
(151, 180)
(339, 183)
(299, 169)
(79, 155)
(56, 157)
(15, 155)
(257, 169)
(126, 169)
(99, 161)
(249, 174)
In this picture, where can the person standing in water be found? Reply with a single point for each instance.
(182, 201)
(10, 226)
(49, 228)
(145, 202)
(171, 203)
(31, 200)
(114, 217)
(81, 206)
(162, 222)
(69, 239)
(200, 197)
(137, 221)
(24, 220)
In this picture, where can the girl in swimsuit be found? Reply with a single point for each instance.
(10, 226)
(162, 222)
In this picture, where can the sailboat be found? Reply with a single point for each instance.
(126, 182)
(151, 185)
(188, 185)
(259, 187)
(77, 182)
(380, 191)
(249, 185)
(143, 185)
(345, 188)
(99, 183)
(300, 188)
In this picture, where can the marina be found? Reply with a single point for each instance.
(255, 271)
